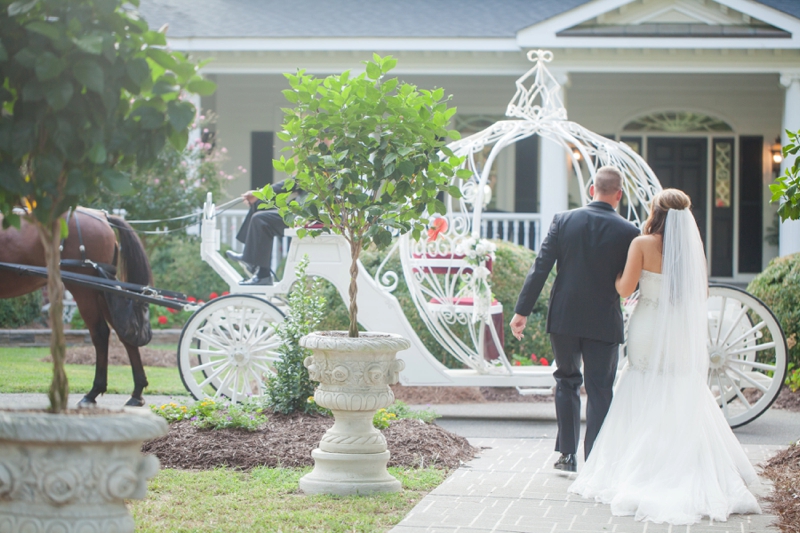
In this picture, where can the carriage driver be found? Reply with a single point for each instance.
(256, 233)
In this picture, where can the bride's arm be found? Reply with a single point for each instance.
(629, 278)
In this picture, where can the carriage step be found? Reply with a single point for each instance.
(536, 391)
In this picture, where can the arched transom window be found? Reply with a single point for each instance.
(677, 122)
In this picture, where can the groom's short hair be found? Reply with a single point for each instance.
(608, 180)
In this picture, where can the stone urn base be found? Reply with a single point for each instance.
(73, 473)
(344, 474)
(354, 375)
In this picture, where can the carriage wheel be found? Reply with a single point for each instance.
(228, 348)
(747, 354)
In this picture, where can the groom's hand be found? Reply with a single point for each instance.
(517, 325)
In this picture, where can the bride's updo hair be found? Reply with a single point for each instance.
(661, 204)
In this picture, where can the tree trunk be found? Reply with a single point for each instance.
(355, 251)
(50, 235)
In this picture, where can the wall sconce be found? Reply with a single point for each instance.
(576, 154)
(777, 155)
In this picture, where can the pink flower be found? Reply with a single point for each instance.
(202, 117)
(224, 150)
(205, 130)
(156, 181)
(182, 182)
(534, 358)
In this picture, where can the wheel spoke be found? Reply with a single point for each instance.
(734, 324)
(747, 378)
(254, 326)
(268, 333)
(721, 318)
(200, 351)
(206, 365)
(212, 341)
(737, 390)
(263, 368)
(268, 356)
(213, 376)
(224, 383)
(750, 349)
(746, 334)
(753, 364)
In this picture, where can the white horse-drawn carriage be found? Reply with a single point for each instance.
(229, 345)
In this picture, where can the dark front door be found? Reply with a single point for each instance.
(681, 163)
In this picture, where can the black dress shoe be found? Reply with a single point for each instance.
(261, 277)
(567, 462)
(230, 254)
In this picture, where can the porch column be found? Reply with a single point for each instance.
(790, 230)
(553, 175)
(195, 133)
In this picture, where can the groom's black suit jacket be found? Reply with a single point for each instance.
(589, 246)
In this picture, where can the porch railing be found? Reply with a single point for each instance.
(520, 228)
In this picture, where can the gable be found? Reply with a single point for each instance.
(686, 23)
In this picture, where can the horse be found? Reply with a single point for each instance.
(93, 230)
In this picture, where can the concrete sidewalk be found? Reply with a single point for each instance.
(512, 488)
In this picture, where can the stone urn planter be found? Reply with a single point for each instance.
(73, 472)
(354, 375)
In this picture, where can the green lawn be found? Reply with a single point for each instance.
(24, 371)
(268, 500)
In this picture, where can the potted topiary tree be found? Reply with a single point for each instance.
(366, 153)
(87, 90)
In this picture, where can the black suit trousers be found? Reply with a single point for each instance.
(257, 232)
(600, 360)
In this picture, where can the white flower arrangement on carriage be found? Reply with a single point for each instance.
(227, 348)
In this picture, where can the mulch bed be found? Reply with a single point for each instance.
(85, 355)
(287, 441)
(784, 471)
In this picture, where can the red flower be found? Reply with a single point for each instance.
(517, 363)
(225, 293)
(171, 310)
(544, 362)
(534, 358)
(191, 299)
(162, 320)
(212, 295)
(439, 226)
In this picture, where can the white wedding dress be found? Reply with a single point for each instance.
(665, 452)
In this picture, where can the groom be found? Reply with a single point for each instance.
(589, 246)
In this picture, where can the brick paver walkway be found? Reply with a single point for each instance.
(512, 487)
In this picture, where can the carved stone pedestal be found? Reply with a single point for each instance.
(73, 473)
(354, 376)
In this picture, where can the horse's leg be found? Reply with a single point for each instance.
(89, 308)
(139, 377)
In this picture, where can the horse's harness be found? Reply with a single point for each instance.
(105, 270)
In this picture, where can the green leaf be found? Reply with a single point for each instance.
(64, 228)
(51, 30)
(58, 94)
(48, 66)
(150, 117)
(116, 181)
(32, 91)
(179, 139)
(97, 154)
(373, 71)
(89, 74)
(162, 57)
(26, 57)
(138, 70)
(180, 114)
(20, 7)
(165, 85)
(91, 44)
(202, 87)
(406, 168)
(454, 134)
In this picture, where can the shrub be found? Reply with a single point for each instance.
(778, 286)
(16, 312)
(510, 268)
(291, 389)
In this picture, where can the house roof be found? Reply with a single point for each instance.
(363, 18)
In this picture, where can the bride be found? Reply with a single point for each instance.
(665, 452)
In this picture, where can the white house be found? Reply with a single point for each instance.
(703, 89)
